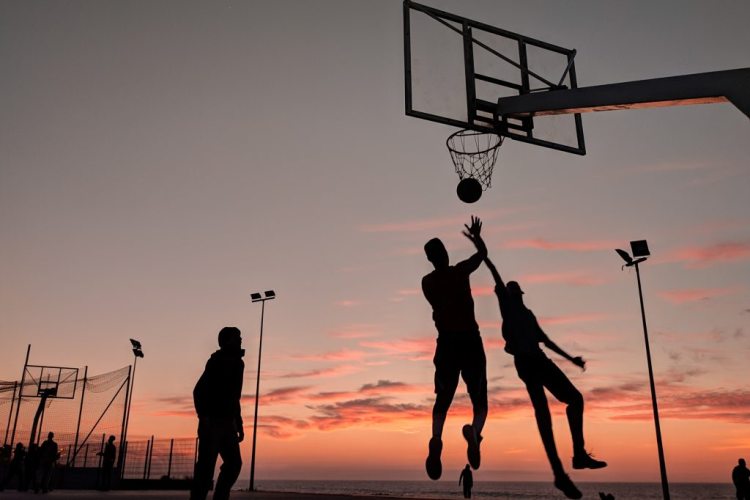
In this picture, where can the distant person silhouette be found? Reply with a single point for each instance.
(606, 496)
(468, 479)
(459, 349)
(31, 465)
(15, 467)
(48, 455)
(741, 480)
(217, 402)
(522, 335)
(108, 463)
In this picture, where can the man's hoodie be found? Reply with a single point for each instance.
(218, 391)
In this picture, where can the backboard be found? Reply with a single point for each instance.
(60, 381)
(457, 69)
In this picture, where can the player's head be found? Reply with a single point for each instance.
(514, 290)
(436, 253)
(230, 338)
(111, 439)
(50, 436)
(741, 461)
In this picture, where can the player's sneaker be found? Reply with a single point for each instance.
(473, 441)
(586, 461)
(433, 465)
(564, 484)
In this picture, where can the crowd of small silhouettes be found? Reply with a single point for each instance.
(32, 468)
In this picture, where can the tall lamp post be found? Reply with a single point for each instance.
(641, 253)
(256, 297)
(137, 353)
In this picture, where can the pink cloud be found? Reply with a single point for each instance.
(698, 257)
(576, 278)
(572, 318)
(347, 303)
(694, 294)
(323, 372)
(357, 331)
(412, 349)
(573, 246)
(340, 355)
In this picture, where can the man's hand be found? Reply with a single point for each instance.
(472, 232)
(579, 362)
(240, 434)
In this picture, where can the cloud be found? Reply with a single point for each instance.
(348, 303)
(381, 387)
(323, 372)
(367, 411)
(571, 246)
(278, 396)
(575, 278)
(567, 319)
(705, 256)
(684, 295)
(340, 355)
(411, 349)
(281, 427)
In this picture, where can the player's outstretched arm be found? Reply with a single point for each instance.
(578, 361)
(495, 274)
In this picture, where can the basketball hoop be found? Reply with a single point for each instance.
(474, 155)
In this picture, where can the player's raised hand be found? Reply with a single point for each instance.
(475, 229)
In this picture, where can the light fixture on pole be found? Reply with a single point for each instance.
(137, 353)
(640, 254)
(256, 297)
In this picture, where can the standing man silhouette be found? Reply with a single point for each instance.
(468, 479)
(217, 402)
(108, 463)
(522, 335)
(48, 455)
(459, 349)
(741, 480)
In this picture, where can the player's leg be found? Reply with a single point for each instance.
(563, 389)
(474, 374)
(446, 381)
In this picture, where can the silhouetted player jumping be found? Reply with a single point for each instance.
(459, 349)
(522, 335)
(217, 402)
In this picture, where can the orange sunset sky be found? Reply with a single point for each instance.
(160, 161)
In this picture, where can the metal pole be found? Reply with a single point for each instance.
(169, 465)
(257, 397)
(80, 412)
(20, 392)
(85, 455)
(10, 413)
(145, 460)
(662, 463)
(150, 457)
(121, 456)
(129, 397)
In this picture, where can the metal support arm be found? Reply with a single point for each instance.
(701, 88)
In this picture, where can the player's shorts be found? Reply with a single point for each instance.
(461, 355)
(537, 370)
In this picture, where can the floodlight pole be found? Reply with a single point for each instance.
(20, 394)
(269, 295)
(660, 447)
(129, 398)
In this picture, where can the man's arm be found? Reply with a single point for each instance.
(578, 361)
(238, 380)
(473, 232)
(496, 275)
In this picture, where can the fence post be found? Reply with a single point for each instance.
(123, 458)
(85, 455)
(80, 413)
(145, 460)
(150, 458)
(169, 467)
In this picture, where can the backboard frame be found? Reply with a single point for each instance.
(482, 115)
(40, 378)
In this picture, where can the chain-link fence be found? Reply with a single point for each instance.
(160, 458)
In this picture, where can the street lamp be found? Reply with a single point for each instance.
(641, 253)
(256, 297)
(137, 353)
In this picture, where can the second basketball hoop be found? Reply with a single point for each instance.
(474, 155)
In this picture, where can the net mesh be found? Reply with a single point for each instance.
(474, 154)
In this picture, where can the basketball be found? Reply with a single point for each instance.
(469, 190)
